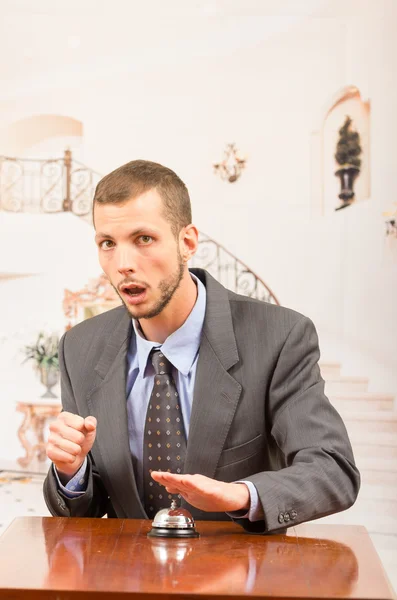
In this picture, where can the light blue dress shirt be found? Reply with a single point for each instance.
(181, 348)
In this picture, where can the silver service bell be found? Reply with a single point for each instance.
(173, 522)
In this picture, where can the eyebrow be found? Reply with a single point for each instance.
(133, 233)
(102, 235)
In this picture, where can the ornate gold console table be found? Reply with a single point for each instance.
(36, 414)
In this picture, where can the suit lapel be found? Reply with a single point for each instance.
(216, 392)
(108, 403)
(216, 396)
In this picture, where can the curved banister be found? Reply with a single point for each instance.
(229, 270)
(66, 185)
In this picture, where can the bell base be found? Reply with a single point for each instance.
(165, 532)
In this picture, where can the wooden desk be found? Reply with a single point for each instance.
(70, 559)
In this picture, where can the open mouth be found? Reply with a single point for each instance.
(133, 293)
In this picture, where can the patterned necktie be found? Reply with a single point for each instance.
(164, 442)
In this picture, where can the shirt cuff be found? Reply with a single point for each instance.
(77, 486)
(255, 511)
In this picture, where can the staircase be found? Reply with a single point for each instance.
(371, 422)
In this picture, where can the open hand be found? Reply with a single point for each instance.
(205, 493)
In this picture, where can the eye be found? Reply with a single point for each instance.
(145, 239)
(106, 245)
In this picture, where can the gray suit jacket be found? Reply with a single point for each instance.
(259, 413)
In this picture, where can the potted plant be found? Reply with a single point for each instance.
(347, 154)
(44, 354)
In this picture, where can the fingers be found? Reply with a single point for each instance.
(167, 479)
(73, 427)
(58, 432)
(71, 438)
(90, 423)
(174, 484)
(174, 490)
(161, 476)
(64, 444)
(71, 420)
(205, 493)
(59, 456)
(186, 485)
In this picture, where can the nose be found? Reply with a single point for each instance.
(126, 260)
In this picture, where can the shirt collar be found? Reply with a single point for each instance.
(181, 347)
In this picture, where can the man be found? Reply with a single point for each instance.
(189, 390)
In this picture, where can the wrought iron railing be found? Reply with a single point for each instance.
(64, 184)
(53, 185)
(230, 271)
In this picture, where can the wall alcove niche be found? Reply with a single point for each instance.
(40, 163)
(325, 185)
(42, 136)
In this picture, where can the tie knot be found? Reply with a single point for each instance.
(161, 364)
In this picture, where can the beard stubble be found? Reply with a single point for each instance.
(167, 288)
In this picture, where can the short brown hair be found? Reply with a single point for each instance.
(139, 176)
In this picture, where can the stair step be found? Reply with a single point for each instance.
(380, 491)
(352, 401)
(375, 451)
(338, 385)
(366, 422)
(371, 422)
(371, 476)
(364, 504)
(371, 416)
(374, 439)
(330, 370)
(371, 463)
(378, 516)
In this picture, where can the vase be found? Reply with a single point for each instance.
(49, 377)
(347, 176)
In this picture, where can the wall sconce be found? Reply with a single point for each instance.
(232, 165)
(391, 222)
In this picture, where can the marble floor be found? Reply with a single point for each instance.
(21, 495)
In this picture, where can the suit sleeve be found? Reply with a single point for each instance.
(319, 476)
(95, 501)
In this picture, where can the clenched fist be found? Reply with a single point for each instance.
(69, 442)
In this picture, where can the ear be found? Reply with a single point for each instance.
(188, 242)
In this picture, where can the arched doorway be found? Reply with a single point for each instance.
(43, 136)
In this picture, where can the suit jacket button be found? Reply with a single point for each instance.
(294, 514)
(281, 518)
(287, 517)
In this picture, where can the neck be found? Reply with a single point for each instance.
(175, 313)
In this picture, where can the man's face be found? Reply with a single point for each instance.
(139, 253)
